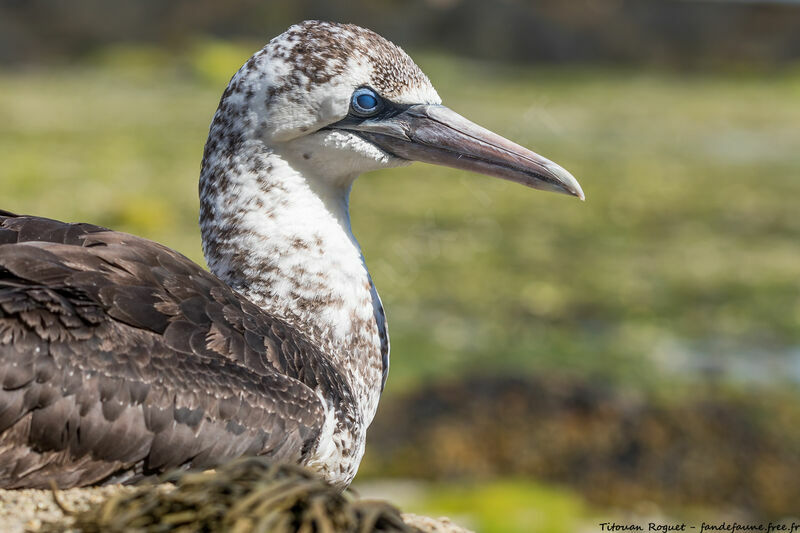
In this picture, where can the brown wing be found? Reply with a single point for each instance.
(120, 358)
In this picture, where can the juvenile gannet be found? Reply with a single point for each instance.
(120, 358)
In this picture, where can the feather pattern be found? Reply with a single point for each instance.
(142, 360)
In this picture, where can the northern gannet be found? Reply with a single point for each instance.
(120, 358)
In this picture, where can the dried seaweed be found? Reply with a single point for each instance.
(245, 496)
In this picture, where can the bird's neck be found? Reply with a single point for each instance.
(281, 237)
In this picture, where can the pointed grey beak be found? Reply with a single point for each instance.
(435, 134)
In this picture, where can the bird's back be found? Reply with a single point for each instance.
(120, 358)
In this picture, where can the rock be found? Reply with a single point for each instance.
(433, 525)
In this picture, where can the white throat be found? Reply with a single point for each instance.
(280, 234)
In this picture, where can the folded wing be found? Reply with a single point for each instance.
(120, 358)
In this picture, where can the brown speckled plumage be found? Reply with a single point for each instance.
(121, 358)
(318, 51)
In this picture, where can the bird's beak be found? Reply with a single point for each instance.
(435, 134)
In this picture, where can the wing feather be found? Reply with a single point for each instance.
(120, 358)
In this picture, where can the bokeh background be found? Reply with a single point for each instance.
(555, 364)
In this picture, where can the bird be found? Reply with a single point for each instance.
(121, 359)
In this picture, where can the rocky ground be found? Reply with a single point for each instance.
(23, 511)
(26, 510)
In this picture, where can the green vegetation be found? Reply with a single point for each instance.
(716, 449)
(685, 255)
(686, 245)
(506, 507)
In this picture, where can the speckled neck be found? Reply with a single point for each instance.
(274, 192)
(281, 236)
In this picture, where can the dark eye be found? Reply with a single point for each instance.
(365, 102)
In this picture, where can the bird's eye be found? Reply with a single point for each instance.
(365, 102)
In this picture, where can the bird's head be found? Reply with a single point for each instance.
(339, 100)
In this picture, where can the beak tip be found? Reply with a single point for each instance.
(567, 181)
(578, 192)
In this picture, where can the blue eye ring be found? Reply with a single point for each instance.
(365, 102)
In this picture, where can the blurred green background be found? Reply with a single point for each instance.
(555, 364)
